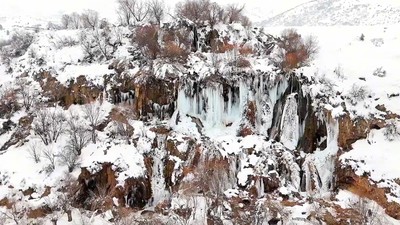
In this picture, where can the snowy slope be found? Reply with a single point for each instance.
(338, 12)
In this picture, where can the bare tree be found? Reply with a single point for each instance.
(233, 13)
(141, 11)
(34, 152)
(66, 21)
(90, 19)
(123, 11)
(78, 135)
(194, 10)
(87, 45)
(132, 11)
(27, 93)
(156, 11)
(101, 39)
(216, 14)
(94, 115)
(49, 124)
(75, 20)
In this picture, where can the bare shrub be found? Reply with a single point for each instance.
(27, 93)
(392, 130)
(90, 19)
(366, 212)
(50, 156)
(94, 116)
(357, 94)
(87, 45)
(101, 39)
(14, 214)
(294, 50)
(69, 158)
(78, 135)
(65, 41)
(35, 152)
(146, 38)
(379, 72)
(99, 44)
(49, 124)
(176, 44)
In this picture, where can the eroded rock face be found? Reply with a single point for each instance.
(352, 130)
(135, 193)
(155, 97)
(363, 187)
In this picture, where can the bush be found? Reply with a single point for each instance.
(16, 47)
(146, 38)
(49, 125)
(379, 72)
(295, 51)
(176, 44)
(392, 130)
(358, 93)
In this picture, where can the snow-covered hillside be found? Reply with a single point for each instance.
(185, 123)
(338, 13)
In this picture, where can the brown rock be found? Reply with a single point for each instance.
(38, 213)
(363, 187)
(351, 131)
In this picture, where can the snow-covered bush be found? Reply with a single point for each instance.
(358, 93)
(16, 47)
(339, 72)
(65, 41)
(378, 42)
(392, 130)
(379, 72)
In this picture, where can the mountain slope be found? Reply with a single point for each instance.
(338, 12)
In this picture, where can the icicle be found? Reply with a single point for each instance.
(290, 123)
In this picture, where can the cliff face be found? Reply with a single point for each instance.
(210, 133)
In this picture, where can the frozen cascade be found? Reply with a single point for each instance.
(209, 104)
(325, 160)
(157, 179)
(290, 123)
